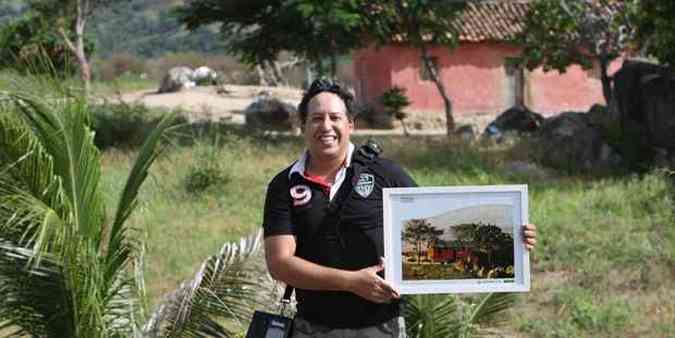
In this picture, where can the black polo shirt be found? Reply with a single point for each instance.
(345, 233)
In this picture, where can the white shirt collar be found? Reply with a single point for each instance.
(300, 165)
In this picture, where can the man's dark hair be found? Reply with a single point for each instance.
(324, 85)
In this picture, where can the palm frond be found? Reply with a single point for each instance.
(442, 316)
(223, 290)
(430, 316)
(51, 206)
(490, 306)
(34, 299)
(60, 132)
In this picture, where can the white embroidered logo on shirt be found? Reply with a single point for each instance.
(365, 185)
(301, 195)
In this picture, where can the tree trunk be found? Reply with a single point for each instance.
(262, 81)
(449, 120)
(77, 48)
(85, 68)
(405, 128)
(270, 72)
(333, 66)
(606, 80)
(279, 73)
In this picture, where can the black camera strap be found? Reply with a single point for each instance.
(285, 299)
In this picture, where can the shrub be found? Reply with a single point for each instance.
(394, 101)
(122, 124)
(207, 171)
(118, 65)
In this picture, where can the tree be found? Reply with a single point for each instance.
(66, 268)
(419, 232)
(489, 239)
(656, 28)
(30, 45)
(466, 234)
(422, 24)
(560, 33)
(69, 19)
(258, 31)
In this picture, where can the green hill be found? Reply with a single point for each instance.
(144, 28)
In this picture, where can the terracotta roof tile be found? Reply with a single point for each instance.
(495, 20)
(491, 20)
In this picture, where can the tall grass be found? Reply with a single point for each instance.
(603, 265)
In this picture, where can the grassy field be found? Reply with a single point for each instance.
(604, 264)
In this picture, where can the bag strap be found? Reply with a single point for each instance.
(285, 299)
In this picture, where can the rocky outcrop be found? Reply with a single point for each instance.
(645, 98)
(205, 76)
(517, 119)
(177, 79)
(571, 141)
(269, 112)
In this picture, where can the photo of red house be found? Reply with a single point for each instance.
(477, 74)
(441, 252)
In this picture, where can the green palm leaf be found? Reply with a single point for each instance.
(224, 290)
(441, 316)
(67, 272)
(35, 300)
(430, 315)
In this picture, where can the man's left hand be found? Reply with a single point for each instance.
(530, 236)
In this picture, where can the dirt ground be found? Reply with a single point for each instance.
(206, 103)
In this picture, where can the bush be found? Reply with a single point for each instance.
(207, 171)
(371, 117)
(118, 65)
(122, 124)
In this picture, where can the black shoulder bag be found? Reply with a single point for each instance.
(270, 325)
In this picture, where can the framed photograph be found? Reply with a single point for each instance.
(456, 239)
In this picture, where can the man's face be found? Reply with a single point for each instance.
(328, 127)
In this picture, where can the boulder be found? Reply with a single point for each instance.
(517, 119)
(269, 112)
(659, 105)
(205, 76)
(177, 79)
(645, 98)
(467, 132)
(570, 141)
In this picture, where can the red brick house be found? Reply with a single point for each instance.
(477, 76)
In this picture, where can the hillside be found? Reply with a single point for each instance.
(143, 28)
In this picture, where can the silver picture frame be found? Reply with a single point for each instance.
(460, 239)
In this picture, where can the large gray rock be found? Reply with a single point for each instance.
(517, 119)
(177, 79)
(659, 106)
(269, 112)
(645, 99)
(570, 141)
(204, 76)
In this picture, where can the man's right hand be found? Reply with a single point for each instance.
(367, 284)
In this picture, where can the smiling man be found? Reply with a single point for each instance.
(323, 225)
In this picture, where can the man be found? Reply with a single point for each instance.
(323, 225)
